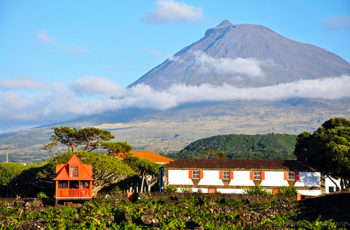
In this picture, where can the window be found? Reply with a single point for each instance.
(74, 172)
(331, 189)
(63, 184)
(226, 175)
(195, 174)
(257, 175)
(84, 184)
(291, 175)
(74, 184)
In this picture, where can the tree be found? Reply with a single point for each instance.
(146, 169)
(328, 149)
(208, 151)
(87, 139)
(220, 155)
(92, 137)
(17, 180)
(66, 136)
(116, 147)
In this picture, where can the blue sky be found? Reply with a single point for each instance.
(48, 47)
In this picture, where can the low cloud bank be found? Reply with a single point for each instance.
(94, 95)
(230, 66)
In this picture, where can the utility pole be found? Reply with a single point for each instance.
(7, 155)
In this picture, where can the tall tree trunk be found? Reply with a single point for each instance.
(142, 181)
(341, 184)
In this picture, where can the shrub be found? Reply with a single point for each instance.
(288, 191)
(171, 189)
(185, 190)
(41, 195)
(257, 189)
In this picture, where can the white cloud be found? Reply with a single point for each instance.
(60, 102)
(173, 11)
(24, 83)
(44, 37)
(248, 66)
(338, 23)
(97, 85)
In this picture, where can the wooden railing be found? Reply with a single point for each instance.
(73, 193)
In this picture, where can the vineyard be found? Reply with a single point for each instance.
(178, 211)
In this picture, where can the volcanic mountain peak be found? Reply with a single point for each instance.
(228, 54)
(225, 23)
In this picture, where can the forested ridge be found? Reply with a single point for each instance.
(240, 146)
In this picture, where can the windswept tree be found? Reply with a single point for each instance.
(66, 136)
(92, 137)
(147, 170)
(328, 149)
(116, 147)
(86, 139)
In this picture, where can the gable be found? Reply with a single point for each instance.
(84, 170)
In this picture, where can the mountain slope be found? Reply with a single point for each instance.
(245, 56)
(239, 146)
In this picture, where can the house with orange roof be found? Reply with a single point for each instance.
(73, 180)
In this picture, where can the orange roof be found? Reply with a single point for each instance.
(151, 156)
(84, 170)
(148, 155)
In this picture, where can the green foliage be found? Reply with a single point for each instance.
(162, 213)
(171, 189)
(327, 149)
(116, 147)
(41, 195)
(239, 146)
(8, 171)
(147, 170)
(288, 191)
(257, 189)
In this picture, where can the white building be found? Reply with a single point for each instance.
(233, 176)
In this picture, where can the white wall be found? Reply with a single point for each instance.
(328, 183)
(309, 179)
(211, 177)
(179, 177)
(310, 192)
(274, 178)
(241, 178)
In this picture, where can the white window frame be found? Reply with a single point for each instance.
(226, 175)
(291, 175)
(195, 174)
(74, 171)
(257, 175)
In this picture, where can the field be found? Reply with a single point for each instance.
(181, 211)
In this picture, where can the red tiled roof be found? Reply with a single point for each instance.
(291, 165)
(148, 155)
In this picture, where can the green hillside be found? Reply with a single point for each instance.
(239, 146)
